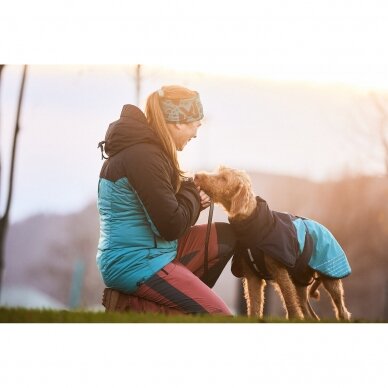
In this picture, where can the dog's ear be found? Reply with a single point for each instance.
(240, 200)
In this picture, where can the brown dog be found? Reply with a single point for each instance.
(232, 189)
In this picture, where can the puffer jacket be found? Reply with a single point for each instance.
(141, 216)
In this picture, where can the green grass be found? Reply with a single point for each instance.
(22, 315)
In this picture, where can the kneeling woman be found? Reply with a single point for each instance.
(148, 245)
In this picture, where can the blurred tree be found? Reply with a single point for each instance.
(77, 282)
(382, 107)
(138, 84)
(369, 134)
(4, 218)
(1, 69)
(385, 317)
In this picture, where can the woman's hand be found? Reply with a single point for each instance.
(205, 199)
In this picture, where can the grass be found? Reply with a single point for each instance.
(23, 315)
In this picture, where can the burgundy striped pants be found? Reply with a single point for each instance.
(182, 287)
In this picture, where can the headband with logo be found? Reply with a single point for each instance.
(181, 110)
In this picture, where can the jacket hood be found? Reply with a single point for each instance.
(131, 128)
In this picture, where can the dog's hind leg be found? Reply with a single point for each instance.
(286, 287)
(335, 289)
(308, 312)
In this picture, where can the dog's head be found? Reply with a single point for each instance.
(229, 187)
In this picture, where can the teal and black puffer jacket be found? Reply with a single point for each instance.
(141, 216)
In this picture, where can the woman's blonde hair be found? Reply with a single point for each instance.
(157, 122)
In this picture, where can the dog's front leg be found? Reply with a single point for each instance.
(253, 293)
(254, 296)
(286, 287)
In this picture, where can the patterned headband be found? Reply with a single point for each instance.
(181, 110)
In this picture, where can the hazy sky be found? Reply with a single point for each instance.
(298, 129)
(320, 40)
(284, 85)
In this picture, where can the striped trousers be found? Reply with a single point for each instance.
(182, 287)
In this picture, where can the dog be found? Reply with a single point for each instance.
(233, 190)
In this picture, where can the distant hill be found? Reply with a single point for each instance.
(42, 251)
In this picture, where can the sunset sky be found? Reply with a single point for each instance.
(275, 77)
(321, 40)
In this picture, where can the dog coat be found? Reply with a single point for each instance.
(300, 244)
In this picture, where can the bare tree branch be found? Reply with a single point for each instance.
(4, 219)
(138, 84)
(1, 69)
(383, 128)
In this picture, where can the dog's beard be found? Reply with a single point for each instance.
(226, 205)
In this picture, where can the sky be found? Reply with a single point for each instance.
(284, 85)
(321, 40)
(286, 128)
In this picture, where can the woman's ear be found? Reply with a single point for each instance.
(173, 127)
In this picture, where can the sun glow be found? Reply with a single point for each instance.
(334, 41)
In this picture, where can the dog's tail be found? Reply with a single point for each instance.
(314, 293)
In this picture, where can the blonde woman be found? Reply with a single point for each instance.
(150, 253)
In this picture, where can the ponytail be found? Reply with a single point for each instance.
(158, 124)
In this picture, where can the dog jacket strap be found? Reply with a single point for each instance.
(258, 265)
(302, 274)
(253, 258)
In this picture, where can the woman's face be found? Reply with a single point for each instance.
(183, 133)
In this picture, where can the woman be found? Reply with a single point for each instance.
(148, 245)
